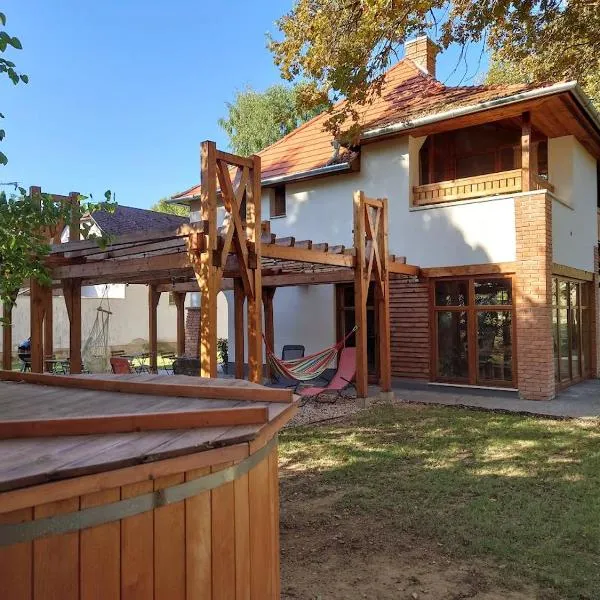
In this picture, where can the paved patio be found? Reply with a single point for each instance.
(581, 400)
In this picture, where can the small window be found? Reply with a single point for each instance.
(172, 299)
(278, 202)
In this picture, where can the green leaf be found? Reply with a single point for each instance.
(2, 134)
(3, 159)
(2, 18)
(16, 43)
(24, 78)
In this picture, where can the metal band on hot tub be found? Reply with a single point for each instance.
(14, 533)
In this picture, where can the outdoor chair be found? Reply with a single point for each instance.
(341, 381)
(168, 359)
(120, 366)
(288, 352)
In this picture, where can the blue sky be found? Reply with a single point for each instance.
(122, 93)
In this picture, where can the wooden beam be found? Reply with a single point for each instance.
(7, 308)
(74, 225)
(572, 272)
(72, 294)
(304, 255)
(526, 152)
(360, 296)
(238, 325)
(460, 271)
(36, 314)
(153, 300)
(177, 390)
(403, 269)
(383, 302)
(268, 293)
(254, 302)
(179, 298)
(134, 422)
(205, 270)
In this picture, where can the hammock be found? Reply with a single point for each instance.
(308, 367)
(96, 352)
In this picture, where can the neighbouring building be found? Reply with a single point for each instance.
(493, 191)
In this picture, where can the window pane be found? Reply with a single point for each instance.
(563, 293)
(452, 359)
(493, 291)
(494, 339)
(554, 291)
(563, 344)
(586, 337)
(575, 334)
(451, 293)
(555, 344)
(573, 290)
(348, 296)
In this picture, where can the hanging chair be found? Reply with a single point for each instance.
(308, 367)
(96, 351)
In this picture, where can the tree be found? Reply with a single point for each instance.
(258, 119)
(8, 68)
(343, 48)
(27, 224)
(164, 206)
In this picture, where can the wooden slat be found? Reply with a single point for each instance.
(169, 545)
(223, 539)
(56, 558)
(223, 392)
(238, 324)
(16, 561)
(137, 548)
(309, 256)
(100, 553)
(242, 538)
(360, 296)
(198, 525)
(459, 271)
(403, 269)
(234, 159)
(128, 423)
(274, 498)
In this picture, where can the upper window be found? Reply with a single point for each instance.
(278, 202)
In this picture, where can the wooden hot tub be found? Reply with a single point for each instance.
(149, 487)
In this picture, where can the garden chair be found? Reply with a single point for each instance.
(341, 381)
(120, 366)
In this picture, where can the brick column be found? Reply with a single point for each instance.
(192, 331)
(595, 325)
(535, 354)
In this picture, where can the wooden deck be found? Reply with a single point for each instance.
(31, 461)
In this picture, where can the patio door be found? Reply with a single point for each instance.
(345, 321)
(473, 330)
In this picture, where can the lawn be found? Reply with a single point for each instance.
(516, 497)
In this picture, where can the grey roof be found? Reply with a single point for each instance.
(127, 219)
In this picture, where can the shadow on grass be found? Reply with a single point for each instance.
(522, 491)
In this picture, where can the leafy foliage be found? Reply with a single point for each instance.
(164, 206)
(342, 49)
(258, 119)
(27, 226)
(8, 68)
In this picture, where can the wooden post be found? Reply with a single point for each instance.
(36, 313)
(383, 302)
(7, 308)
(74, 225)
(180, 305)
(268, 294)
(48, 325)
(254, 302)
(72, 293)
(238, 301)
(206, 271)
(526, 152)
(360, 296)
(153, 299)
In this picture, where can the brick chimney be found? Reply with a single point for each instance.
(423, 52)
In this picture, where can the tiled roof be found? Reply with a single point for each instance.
(127, 219)
(407, 93)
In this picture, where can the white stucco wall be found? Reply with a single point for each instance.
(572, 170)
(128, 322)
(461, 234)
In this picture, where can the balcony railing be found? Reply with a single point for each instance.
(493, 184)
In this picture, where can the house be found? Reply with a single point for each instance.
(493, 191)
(127, 302)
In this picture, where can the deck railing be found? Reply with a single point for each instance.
(493, 184)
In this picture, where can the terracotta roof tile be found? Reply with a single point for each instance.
(407, 93)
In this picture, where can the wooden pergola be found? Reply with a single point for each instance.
(242, 255)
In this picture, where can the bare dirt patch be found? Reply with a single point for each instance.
(329, 553)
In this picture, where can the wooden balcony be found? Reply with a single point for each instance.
(493, 184)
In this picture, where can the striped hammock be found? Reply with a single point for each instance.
(307, 367)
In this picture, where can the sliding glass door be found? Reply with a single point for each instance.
(473, 331)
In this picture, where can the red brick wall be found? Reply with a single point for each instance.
(409, 328)
(192, 331)
(535, 356)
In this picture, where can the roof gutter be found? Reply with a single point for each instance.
(270, 181)
(557, 88)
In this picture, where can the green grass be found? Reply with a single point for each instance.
(521, 492)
